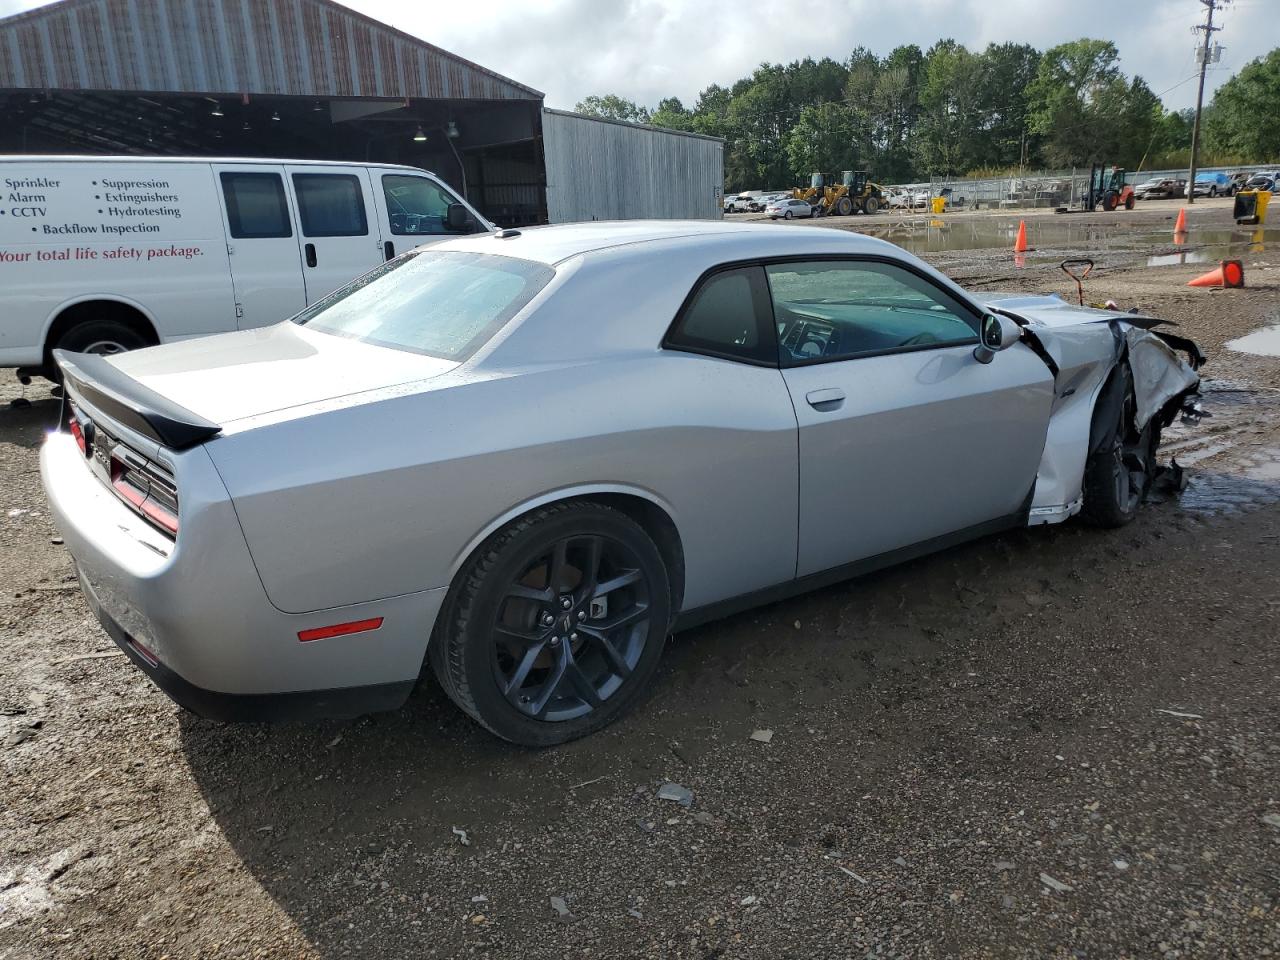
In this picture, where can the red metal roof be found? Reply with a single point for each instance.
(308, 48)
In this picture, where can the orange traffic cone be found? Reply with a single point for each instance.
(1181, 225)
(1229, 274)
(1020, 245)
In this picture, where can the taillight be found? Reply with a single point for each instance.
(146, 487)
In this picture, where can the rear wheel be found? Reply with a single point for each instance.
(557, 625)
(786, 215)
(104, 337)
(1110, 202)
(1117, 474)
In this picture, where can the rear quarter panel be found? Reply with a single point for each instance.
(388, 498)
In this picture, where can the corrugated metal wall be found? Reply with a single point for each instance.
(283, 47)
(601, 170)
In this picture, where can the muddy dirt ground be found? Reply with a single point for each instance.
(1059, 742)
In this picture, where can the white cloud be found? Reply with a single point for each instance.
(648, 49)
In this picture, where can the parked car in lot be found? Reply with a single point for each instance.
(1263, 180)
(106, 254)
(1160, 188)
(742, 202)
(788, 208)
(527, 456)
(761, 203)
(1213, 185)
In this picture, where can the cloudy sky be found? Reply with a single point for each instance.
(648, 49)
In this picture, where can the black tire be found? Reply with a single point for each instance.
(1129, 202)
(101, 336)
(474, 639)
(786, 215)
(844, 206)
(1213, 191)
(1118, 472)
(872, 205)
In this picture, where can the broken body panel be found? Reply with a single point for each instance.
(1083, 346)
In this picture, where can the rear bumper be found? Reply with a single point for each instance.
(338, 703)
(198, 606)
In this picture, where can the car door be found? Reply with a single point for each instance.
(904, 435)
(338, 236)
(262, 247)
(413, 210)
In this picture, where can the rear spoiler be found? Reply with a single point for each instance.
(104, 386)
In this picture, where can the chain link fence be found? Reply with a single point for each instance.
(1046, 188)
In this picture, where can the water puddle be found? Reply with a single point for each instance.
(1231, 457)
(1262, 343)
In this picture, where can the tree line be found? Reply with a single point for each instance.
(949, 111)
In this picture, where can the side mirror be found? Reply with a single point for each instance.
(998, 333)
(457, 219)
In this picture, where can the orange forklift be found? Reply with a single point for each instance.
(1107, 187)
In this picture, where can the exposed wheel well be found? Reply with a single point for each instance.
(655, 522)
(77, 313)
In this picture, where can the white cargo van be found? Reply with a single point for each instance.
(103, 254)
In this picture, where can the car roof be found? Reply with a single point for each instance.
(555, 244)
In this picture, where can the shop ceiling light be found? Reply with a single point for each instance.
(217, 109)
(451, 131)
(419, 135)
(275, 115)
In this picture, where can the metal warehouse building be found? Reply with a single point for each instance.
(310, 79)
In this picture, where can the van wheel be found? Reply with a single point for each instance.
(103, 337)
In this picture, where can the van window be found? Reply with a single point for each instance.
(330, 205)
(417, 205)
(256, 206)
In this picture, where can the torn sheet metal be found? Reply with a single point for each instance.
(1082, 346)
(1159, 374)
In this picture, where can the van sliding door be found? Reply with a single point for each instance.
(266, 268)
(339, 236)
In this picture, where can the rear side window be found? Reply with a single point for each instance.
(330, 205)
(445, 304)
(256, 205)
(728, 316)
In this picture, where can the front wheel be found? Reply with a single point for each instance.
(1213, 191)
(1129, 202)
(872, 205)
(1117, 473)
(556, 626)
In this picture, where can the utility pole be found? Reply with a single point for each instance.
(1208, 29)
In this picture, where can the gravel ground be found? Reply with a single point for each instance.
(1058, 742)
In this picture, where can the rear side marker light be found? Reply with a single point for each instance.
(79, 435)
(340, 629)
(144, 653)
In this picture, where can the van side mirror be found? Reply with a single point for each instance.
(457, 219)
(998, 333)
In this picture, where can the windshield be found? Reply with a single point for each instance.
(445, 304)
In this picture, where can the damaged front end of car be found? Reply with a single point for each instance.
(1110, 368)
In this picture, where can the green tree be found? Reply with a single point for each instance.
(672, 113)
(947, 133)
(612, 107)
(825, 138)
(1071, 82)
(1243, 118)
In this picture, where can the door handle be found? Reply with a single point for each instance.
(310, 251)
(389, 250)
(825, 400)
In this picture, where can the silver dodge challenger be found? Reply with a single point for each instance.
(527, 457)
